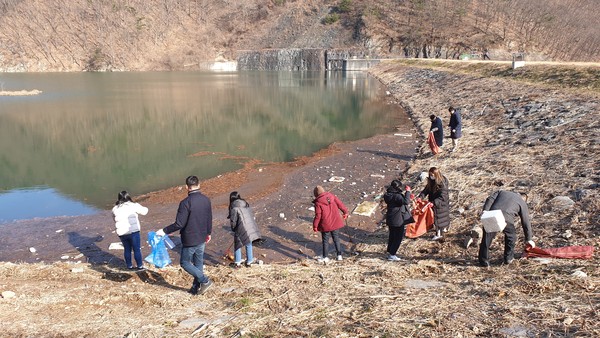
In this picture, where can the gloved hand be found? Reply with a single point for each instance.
(407, 188)
(160, 233)
(454, 130)
(412, 196)
(531, 244)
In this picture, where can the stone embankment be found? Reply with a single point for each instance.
(517, 137)
(295, 59)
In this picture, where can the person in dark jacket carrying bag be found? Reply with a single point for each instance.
(455, 126)
(244, 228)
(436, 191)
(437, 129)
(194, 223)
(397, 198)
(328, 221)
(512, 206)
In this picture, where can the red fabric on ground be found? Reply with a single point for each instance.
(433, 145)
(581, 252)
(423, 215)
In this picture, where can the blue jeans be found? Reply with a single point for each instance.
(132, 242)
(238, 254)
(192, 261)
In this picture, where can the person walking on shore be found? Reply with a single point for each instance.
(436, 191)
(328, 220)
(397, 198)
(455, 127)
(437, 129)
(512, 206)
(194, 223)
(244, 228)
(125, 213)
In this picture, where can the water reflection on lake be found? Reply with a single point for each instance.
(91, 135)
(47, 202)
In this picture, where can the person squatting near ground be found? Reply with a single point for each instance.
(437, 129)
(512, 205)
(125, 213)
(194, 223)
(397, 198)
(328, 221)
(455, 126)
(243, 225)
(436, 191)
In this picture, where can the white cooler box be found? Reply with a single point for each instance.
(493, 221)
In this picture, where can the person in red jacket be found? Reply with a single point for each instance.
(328, 220)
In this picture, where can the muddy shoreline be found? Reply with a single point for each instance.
(271, 189)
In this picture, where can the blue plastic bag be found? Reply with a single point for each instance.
(159, 255)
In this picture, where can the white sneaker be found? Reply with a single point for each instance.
(393, 258)
(436, 238)
(323, 260)
(339, 257)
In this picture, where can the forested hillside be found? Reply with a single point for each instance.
(74, 35)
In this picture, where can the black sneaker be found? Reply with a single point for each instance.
(204, 287)
(194, 289)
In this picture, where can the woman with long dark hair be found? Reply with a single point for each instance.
(436, 191)
(125, 213)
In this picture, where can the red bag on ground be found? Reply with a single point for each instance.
(433, 145)
(580, 252)
(423, 215)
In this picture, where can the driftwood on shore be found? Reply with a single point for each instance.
(20, 92)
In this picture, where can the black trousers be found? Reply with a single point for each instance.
(510, 238)
(335, 235)
(395, 238)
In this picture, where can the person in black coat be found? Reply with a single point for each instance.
(194, 223)
(436, 191)
(437, 129)
(455, 126)
(397, 198)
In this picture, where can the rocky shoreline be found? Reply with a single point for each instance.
(516, 137)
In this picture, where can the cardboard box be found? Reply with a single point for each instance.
(493, 221)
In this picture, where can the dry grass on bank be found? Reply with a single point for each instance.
(567, 76)
(362, 296)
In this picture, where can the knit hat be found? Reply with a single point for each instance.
(318, 190)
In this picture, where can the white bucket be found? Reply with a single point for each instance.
(493, 221)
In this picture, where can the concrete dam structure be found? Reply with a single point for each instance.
(305, 60)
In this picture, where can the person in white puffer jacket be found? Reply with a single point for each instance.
(127, 223)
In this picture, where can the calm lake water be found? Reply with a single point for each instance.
(87, 136)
